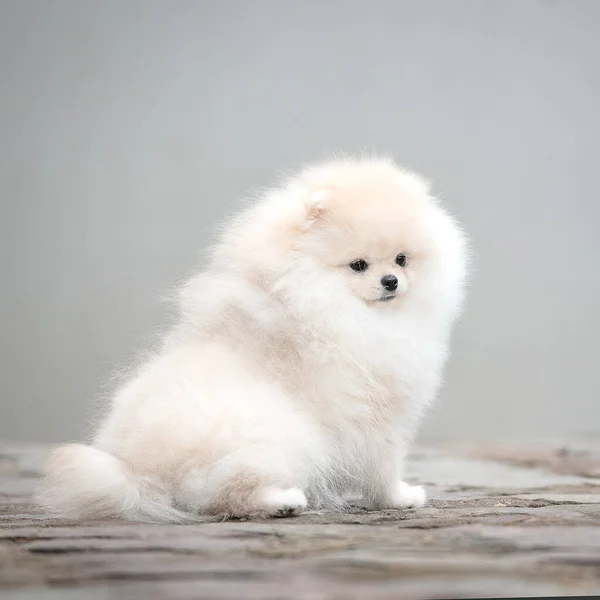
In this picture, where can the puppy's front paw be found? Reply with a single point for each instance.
(280, 502)
(407, 496)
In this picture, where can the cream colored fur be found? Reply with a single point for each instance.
(290, 380)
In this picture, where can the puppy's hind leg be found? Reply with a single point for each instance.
(246, 483)
(279, 502)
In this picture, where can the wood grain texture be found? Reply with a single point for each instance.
(501, 521)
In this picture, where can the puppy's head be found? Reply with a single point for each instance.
(357, 228)
(376, 229)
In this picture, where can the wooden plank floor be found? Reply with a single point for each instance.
(502, 521)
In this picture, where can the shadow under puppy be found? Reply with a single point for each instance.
(299, 368)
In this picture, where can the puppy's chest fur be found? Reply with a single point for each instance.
(356, 374)
(340, 374)
(356, 402)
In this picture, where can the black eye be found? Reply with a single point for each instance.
(401, 260)
(359, 265)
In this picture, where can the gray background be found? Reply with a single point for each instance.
(128, 129)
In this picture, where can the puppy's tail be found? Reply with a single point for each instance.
(83, 482)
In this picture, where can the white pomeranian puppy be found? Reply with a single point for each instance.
(300, 366)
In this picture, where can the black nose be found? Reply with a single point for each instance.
(389, 282)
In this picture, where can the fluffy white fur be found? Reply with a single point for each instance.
(290, 380)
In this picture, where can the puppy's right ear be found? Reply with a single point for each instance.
(315, 205)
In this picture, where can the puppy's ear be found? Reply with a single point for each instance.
(316, 205)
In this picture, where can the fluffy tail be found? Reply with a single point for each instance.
(83, 482)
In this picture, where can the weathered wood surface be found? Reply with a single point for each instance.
(501, 521)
